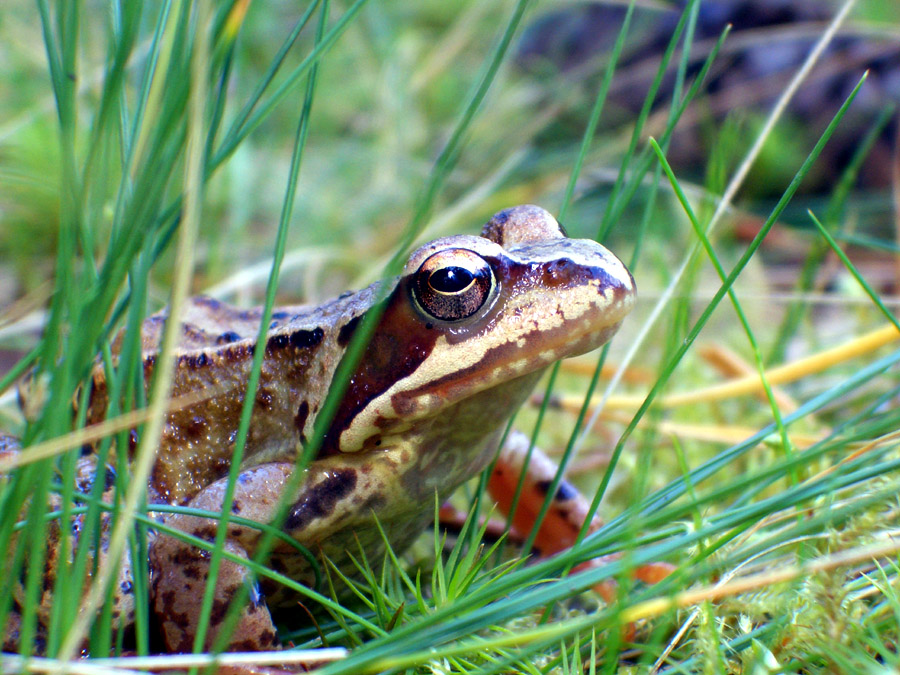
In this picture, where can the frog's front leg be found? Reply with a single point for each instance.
(180, 570)
(566, 515)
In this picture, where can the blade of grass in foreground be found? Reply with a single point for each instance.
(732, 296)
(669, 369)
(363, 332)
(727, 197)
(688, 18)
(229, 623)
(161, 387)
(449, 623)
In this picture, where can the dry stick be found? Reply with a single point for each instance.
(752, 384)
(723, 204)
(162, 385)
(137, 664)
(658, 606)
(108, 427)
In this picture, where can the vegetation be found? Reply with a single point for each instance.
(748, 412)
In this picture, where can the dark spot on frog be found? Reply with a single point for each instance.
(194, 428)
(227, 338)
(183, 557)
(191, 572)
(300, 417)
(347, 330)
(219, 608)
(236, 504)
(236, 351)
(193, 360)
(269, 637)
(264, 398)
(205, 532)
(564, 492)
(279, 315)
(168, 600)
(304, 339)
(277, 342)
(320, 499)
(208, 301)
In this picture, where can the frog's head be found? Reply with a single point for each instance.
(473, 314)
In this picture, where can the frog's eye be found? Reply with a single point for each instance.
(453, 284)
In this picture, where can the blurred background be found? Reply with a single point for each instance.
(394, 84)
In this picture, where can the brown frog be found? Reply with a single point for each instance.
(467, 329)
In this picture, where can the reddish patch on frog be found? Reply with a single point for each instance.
(399, 345)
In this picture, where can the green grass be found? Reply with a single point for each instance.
(170, 143)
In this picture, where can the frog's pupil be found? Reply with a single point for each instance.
(450, 279)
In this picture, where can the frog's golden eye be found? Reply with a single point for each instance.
(453, 284)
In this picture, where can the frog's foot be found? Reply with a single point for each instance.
(180, 570)
(178, 593)
(651, 573)
(563, 521)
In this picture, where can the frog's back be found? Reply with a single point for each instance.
(214, 359)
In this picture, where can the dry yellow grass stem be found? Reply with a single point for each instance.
(586, 365)
(726, 434)
(95, 432)
(731, 365)
(751, 384)
(33, 301)
(658, 606)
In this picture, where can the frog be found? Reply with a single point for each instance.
(461, 337)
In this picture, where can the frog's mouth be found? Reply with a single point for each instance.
(555, 299)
